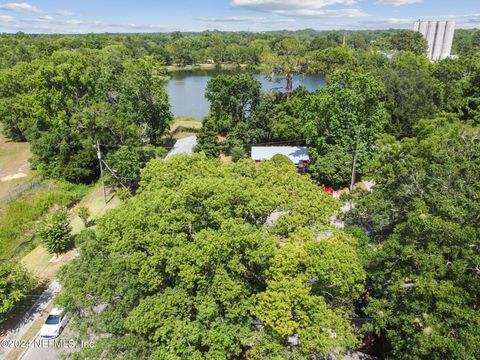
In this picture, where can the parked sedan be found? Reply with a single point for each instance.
(54, 324)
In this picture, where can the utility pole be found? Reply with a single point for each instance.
(114, 175)
(354, 166)
(99, 155)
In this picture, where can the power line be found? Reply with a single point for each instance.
(101, 163)
(99, 156)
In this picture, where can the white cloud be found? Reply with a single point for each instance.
(49, 24)
(5, 19)
(387, 23)
(246, 19)
(348, 13)
(64, 13)
(272, 5)
(466, 21)
(46, 18)
(73, 22)
(304, 8)
(215, 26)
(397, 2)
(19, 7)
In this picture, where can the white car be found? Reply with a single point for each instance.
(54, 324)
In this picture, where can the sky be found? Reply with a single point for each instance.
(86, 16)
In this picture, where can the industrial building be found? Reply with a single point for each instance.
(439, 35)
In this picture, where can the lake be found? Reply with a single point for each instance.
(186, 89)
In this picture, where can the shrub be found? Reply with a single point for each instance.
(84, 236)
(281, 159)
(55, 232)
(123, 194)
(19, 216)
(84, 214)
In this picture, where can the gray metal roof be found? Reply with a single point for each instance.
(294, 153)
(183, 146)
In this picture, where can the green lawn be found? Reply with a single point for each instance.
(185, 122)
(182, 127)
(18, 218)
(38, 260)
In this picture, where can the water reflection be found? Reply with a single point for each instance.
(186, 89)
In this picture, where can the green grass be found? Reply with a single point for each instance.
(95, 203)
(19, 216)
(38, 259)
(185, 122)
(186, 118)
(183, 126)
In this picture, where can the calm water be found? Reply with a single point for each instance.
(186, 89)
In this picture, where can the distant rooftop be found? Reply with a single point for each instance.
(183, 146)
(294, 153)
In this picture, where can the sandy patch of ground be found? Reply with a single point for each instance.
(13, 177)
(15, 167)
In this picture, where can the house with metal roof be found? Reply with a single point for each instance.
(183, 146)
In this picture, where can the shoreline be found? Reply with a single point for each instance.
(174, 68)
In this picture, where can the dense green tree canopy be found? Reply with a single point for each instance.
(330, 60)
(207, 140)
(219, 47)
(286, 60)
(346, 116)
(65, 103)
(239, 110)
(423, 222)
(214, 261)
(407, 40)
(412, 93)
(233, 99)
(126, 164)
(15, 284)
(439, 166)
(460, 83)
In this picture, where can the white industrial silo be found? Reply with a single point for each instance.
(439, 36)
(448, 40)
(431, 32)
(438, 42)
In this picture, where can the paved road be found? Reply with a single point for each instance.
(51, 350)
(29, 318)
(40, 350)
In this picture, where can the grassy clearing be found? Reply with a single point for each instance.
(95, 203)
(19, 216)
(185, 122)
(38, 260)
(182, 127)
